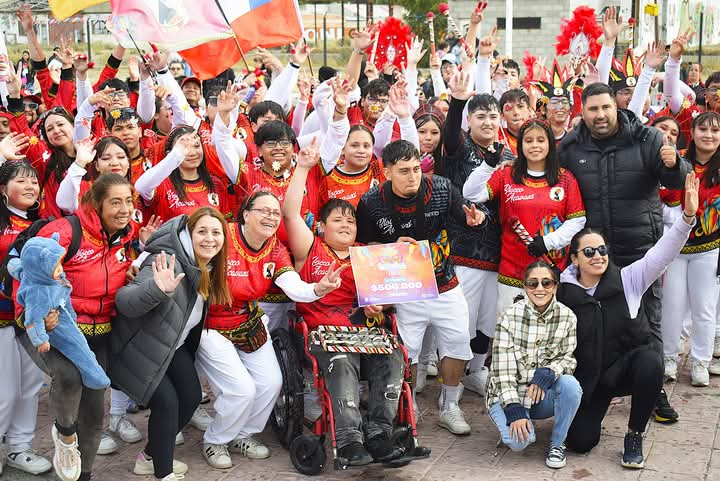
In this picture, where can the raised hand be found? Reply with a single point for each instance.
(24, 16)
(341, 93)
(228, 98)
(309, 155)
(362, 39)
(680, 43)
(612, 25)
(102, 97)
(12, 144)
(80, 65)
(655, 55)
(13, 83)
(477, 16)
(164, 273)
(300, 52)
(303, 86)
(371, 71)
(415, 53)
(147, 230)
(398, 103)
(473, 216)
(488, 44)
(330, 281)
(269, 60)
(84, 152)
(460, 87)
(668, 154)
(158, 60)
(692, 185)
(133, 65)
(65, 55)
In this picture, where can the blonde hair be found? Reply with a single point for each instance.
(213, 285)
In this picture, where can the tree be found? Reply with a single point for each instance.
(416, 17)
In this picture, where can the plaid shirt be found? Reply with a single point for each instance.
(526, 340)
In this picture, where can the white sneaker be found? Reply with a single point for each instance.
(671, 368)
(476, 381)
(453, 419)
(108, 445)
(699, 373)
(179, 439)
(144, 466)
(249, 447)
(421, 377)
(714, 368)
(432, 369)
(217, 456)
(201, 419)
(205, 398)
(28, 461)
(716, 348)
(66, 459)
(125, 429)
(172, 477)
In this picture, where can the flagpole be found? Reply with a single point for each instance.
(237, 42)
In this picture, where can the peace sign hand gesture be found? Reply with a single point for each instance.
(164, 273)
(330, 281)
(473, 216)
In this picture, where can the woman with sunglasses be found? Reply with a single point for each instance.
(532, 366)
(234, 352)
(690, 281)
(19, 193)
(181, 182)
(614, 353)
(538, 193)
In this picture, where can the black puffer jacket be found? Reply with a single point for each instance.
(619, 184)
(150, 322)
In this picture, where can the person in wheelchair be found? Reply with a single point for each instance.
(314, 256)
(234, 354)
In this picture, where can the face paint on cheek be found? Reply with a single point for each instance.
(507, 107)
(374, 108)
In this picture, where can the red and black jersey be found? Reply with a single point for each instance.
(17, 225)
(350, 187)
(167, 203)
(250, 275)
(335, 308)
(541, 208)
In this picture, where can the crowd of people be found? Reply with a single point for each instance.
(157, 230)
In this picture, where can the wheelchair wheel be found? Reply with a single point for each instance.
(287, 416)
(307, 453)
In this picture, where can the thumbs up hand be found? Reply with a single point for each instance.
(668, 155)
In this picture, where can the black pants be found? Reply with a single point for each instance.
(76, 409)
(171, 407)
(642, 380)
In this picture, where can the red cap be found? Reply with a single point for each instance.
(26, 94)
(190, 79)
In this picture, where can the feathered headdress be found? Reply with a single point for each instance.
(625, 74)
(393, 36)
(560, 86)
(578, 36)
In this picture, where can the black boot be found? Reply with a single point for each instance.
(356, 454)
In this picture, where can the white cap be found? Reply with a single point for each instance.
(449, 57)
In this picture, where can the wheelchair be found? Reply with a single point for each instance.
(307, 451)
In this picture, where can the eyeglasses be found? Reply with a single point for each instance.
(559, 102)
(285, 143)
(589, 252)
(117, 95)
(712, 91)
(268, 212)
(30, 105)
(212, 101)
(546, 282)
(376, 100)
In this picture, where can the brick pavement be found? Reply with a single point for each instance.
(686, 451)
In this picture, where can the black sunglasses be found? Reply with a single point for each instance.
(212, 101)
(546, 282)
(589, 252)
(30, 105)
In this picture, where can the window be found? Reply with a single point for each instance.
(521, 23)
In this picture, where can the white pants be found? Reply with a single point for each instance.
(118, 402)
(506, 297)
(246, 386)
(447, 316)
(277, 314)
(480, 289)
(690, 280)
(19, 393)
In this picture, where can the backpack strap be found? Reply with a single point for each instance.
(77, 234)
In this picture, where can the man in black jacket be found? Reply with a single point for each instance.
(620, 164)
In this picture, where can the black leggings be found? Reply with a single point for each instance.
(171, 407)
(642, 380)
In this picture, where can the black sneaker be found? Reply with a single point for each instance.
(664, 412)
(633, 454)
(556, 457)
(356, 454)
(381, 448)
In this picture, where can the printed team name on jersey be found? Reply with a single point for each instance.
(513, 194)
(340, 194)
(175, 202)
(86, 255)
(232, 268)
(385, 226)
(320, 267)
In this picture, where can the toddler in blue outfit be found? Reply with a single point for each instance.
(44, 288)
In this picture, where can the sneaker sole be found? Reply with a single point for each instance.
(555, 465)
(129, 440)
(248, 455)
(142, 471)
(457, 433)
(632, 465)
(218, 465)
(699, 384)
(105, 452)
(664, 420)
(25, 469)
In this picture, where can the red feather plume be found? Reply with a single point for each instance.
(529, 60)
(443, 8)
(395, 34)
(584, 20)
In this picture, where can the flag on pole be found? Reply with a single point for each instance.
(199, 31)
(62, 9)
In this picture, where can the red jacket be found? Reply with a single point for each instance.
(96, 272)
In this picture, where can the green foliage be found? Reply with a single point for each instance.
(416, 17)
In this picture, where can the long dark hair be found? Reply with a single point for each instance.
(59, 161)
(94, 197)
(712, 177)
(8, 171)
(424, 119)
(100, 149)
(175, 177)
(552, 163)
